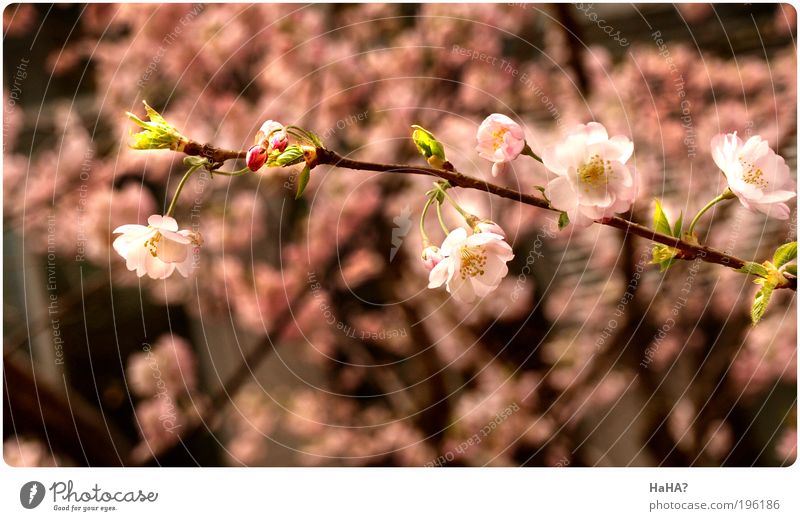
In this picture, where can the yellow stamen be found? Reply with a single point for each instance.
(473, 262)
(499, 137)
(152, 244)
(595, 172)
(753, 175)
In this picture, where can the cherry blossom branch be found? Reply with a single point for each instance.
(686, 250)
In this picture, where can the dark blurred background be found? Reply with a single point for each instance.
(307, 336)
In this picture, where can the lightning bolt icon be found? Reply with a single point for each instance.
(32, 493)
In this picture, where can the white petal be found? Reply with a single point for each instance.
(156, 269)
(453, 241)
(172, 251)
(595, 132)
(136, 258)
(179, 237)
(481, 238)
(499, 168)
(439, 273)
(132, 229)
(186, 267)
(461, 289)
(561, 195)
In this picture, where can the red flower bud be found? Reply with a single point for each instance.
(279, 141)
(256, 157)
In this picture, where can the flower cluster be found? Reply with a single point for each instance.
(592, 182)
(271, 137)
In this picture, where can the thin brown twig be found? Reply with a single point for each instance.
(686, 250)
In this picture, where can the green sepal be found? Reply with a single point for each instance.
(563, 220)
(431, 149)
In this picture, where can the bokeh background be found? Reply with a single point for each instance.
(307, 336)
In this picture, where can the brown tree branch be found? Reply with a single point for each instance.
(686, 250)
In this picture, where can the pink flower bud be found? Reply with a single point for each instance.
(431, 256)
(272, 136)
(279, 141)
(487, 226)
(500, 139)
(256, 157)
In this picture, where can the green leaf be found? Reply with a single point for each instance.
(784, 254)
(660, 221)
(291, 156)
(754, 268)
(791, 268)
(677, 231)
(563, 220)
(302, 181)
(664, 256)
(760, 303)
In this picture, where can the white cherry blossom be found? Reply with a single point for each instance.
(592, 181)
(756, 174)
(500, 140)
(157, 249)
(472, 265)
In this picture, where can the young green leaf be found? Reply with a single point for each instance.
(664, 256)
(677, 231)
(784, 254)
(563, 220)
(156, 133)
(791, 268)
(291, 156)
(660, 221)
(760, 303)
(754, 268)
(302, 181)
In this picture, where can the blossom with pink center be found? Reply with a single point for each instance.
(592, 181)
(756, 174)
(500, 140)
(472, 265)
(157, 249)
